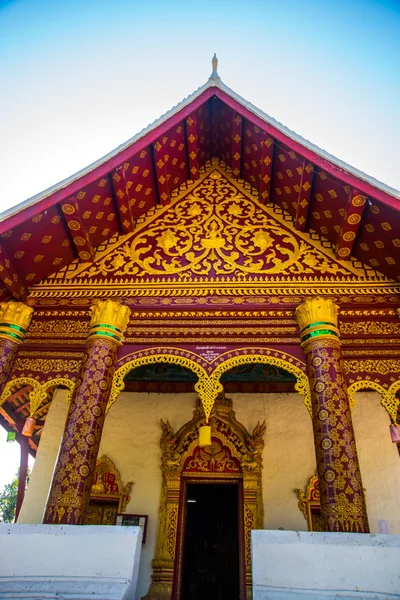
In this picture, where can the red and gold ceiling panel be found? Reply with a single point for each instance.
(287, 179)
(222, 130)
(327, 210)
(202, 117)
(253, 137)
(140, 190)
(175, 157)
(382, 219)
(40, 246)
(378, 252)
(98, 210)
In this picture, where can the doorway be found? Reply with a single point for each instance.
(211, 551)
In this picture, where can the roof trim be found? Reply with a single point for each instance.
(335, 166)
(316, 150)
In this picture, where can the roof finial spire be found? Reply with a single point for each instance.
(214, 62)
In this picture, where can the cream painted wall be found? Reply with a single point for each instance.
(288, 458)
(379, 461)
(131, 439)
(34, 504)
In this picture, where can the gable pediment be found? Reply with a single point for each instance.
(215, 234)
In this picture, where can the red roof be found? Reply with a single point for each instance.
(357, 214)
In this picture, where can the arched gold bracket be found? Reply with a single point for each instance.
(208, 390)
(389, 400)
(39, 391)
(208, 385)
(301, 386)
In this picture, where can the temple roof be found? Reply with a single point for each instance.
(322, 196)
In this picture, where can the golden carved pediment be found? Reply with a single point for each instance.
(107, 483)
(216, 233)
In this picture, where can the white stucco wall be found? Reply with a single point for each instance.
(69, 562)
(291, 565)
(131, 439)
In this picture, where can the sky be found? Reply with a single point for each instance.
(80, 77)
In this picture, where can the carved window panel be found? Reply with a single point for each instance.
(309, 504)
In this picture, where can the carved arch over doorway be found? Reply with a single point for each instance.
(240, 457)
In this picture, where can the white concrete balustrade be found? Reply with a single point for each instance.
(67, 561)
(294, 565)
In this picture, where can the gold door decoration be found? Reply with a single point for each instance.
(310, 506)
(235, 454)
(107, 488)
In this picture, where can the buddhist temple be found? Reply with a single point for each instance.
(200, 335)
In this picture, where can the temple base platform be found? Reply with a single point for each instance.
(69, 562)
(317, 565)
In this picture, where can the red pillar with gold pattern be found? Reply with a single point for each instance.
(342, 496)
(70, 489)
(15, 318)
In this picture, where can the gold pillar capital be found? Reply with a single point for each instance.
(15, 318)
(109, 320)
(317, 317)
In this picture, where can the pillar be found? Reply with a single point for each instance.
(23, 472)
(342, 496)
(70, 490)
(15, 318)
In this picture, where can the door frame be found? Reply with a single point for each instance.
(181, 533)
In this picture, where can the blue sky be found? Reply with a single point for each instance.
(80, 77)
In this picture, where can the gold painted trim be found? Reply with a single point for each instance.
(39, 391)
(208, 385)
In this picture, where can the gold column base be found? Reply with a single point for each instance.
(162, 580)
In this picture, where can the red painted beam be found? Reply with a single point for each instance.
(16, 395)
(161, 171)
(79, 234)
(267, 159)
(192, 149)
(303, 201)
(350, 225)
(9, 276)
(123, 198)
(237, 134)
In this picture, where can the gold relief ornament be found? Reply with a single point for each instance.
(15, 318)
(37, 396)
(389, 399)
(214, 230)
(317, 317)
(109, 320)
(370, 328)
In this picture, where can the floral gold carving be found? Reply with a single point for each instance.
(107, 483)
(309, 504)
(16, 313)
(370, 328)
(381, 366)
(109, 312)
(208, 385)
(314, 310)
(214, 231)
